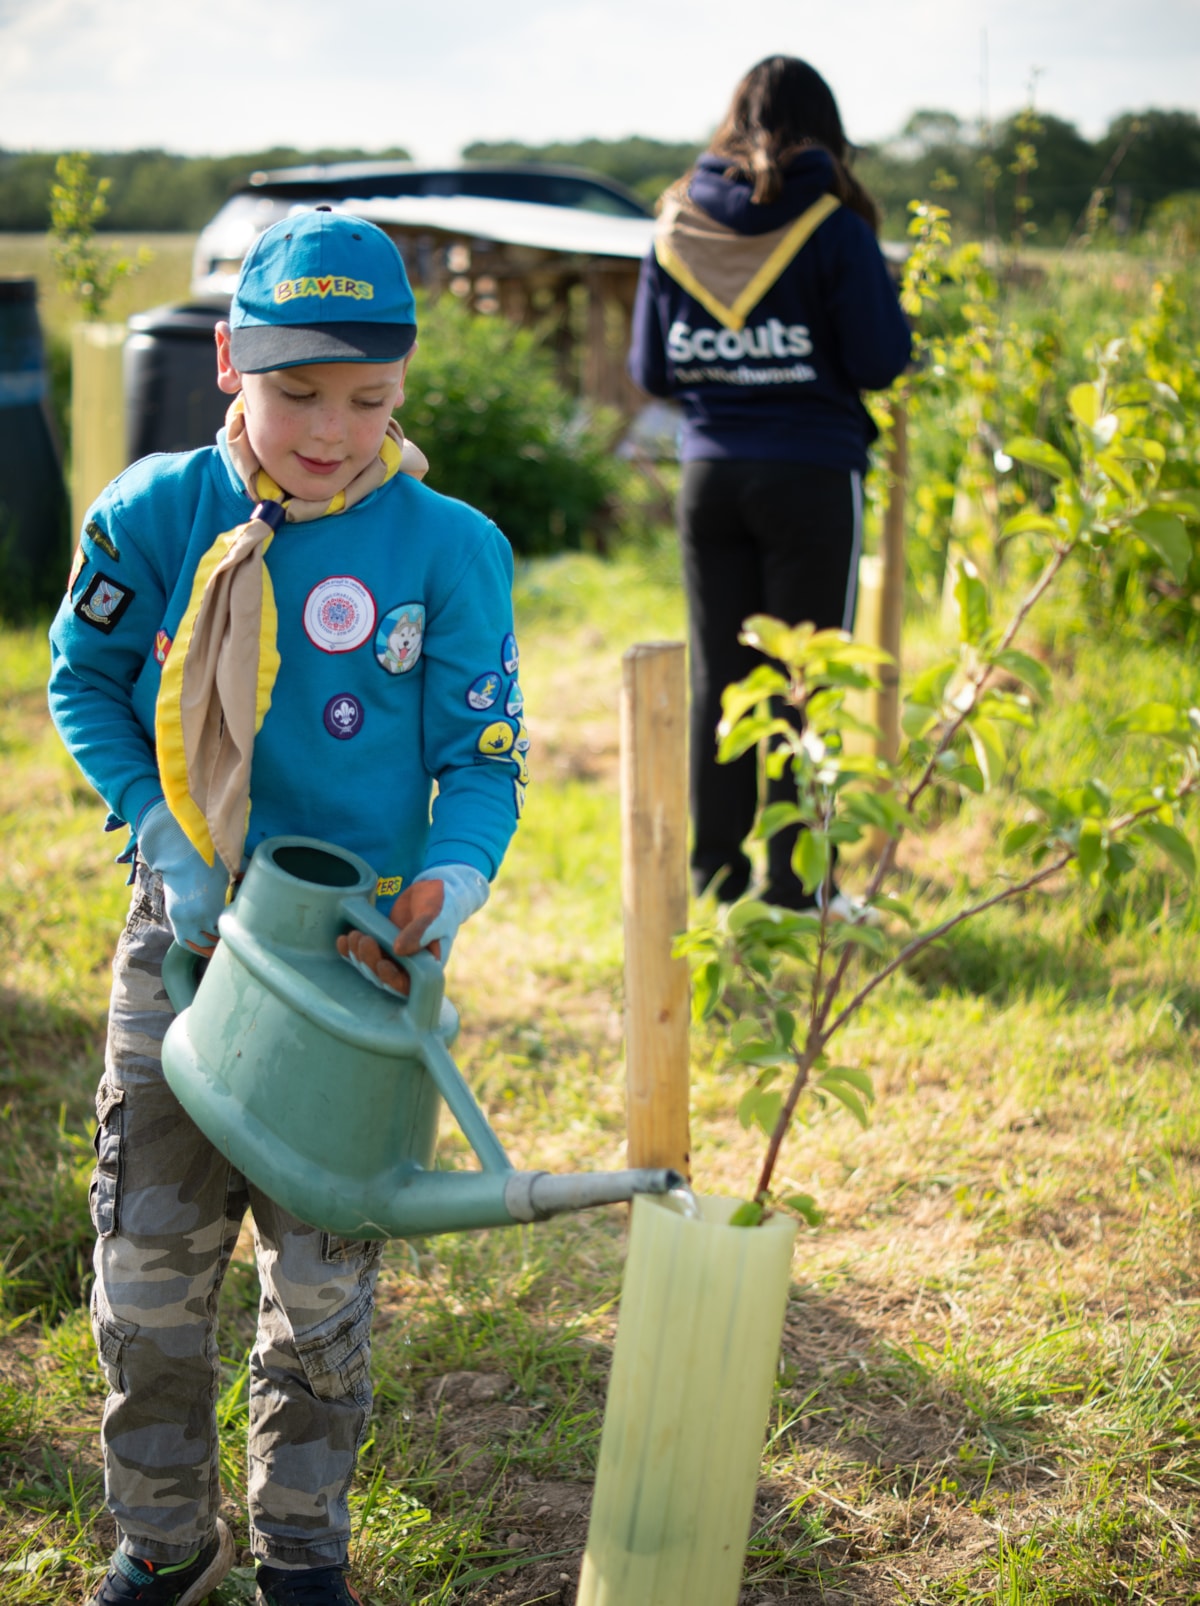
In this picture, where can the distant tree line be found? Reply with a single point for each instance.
(983, 177)
(1032, 173)
(152, 191)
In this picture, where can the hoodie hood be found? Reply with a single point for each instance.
(728, 201)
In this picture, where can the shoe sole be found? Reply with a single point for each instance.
(214, 1572)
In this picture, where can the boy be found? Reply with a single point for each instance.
(283, 633)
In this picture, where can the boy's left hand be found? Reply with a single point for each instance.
(427, 914)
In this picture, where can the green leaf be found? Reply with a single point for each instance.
(846, 1096)
(747, 733)
(1091, 848)
(916, 718)
(895, 906)
(989, 749)
(775, 817)
(806, 1206)
(1016, 839)
(1031, 522)
(847, 934)
(706, 990)
(750, 1213)
(747, 1105)
(971, 595)
(1027, 670)
(777, 640)
(967, 775)
(1173, 843)
(762, 683)
(810, 858)
(1165, 534)
(1116, 471)
(766, 1111)
(745, 911)
(1037, 454)
(857, 1078)
(1084, 402)
(930, 686)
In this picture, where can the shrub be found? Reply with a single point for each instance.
(484, 405)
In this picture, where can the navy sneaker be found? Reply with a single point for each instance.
(308, 1586)
(134, 1582)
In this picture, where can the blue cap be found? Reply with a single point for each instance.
(321, 287)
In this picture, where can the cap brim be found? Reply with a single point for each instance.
(258, 348)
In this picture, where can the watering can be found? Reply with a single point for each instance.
(323, 1089)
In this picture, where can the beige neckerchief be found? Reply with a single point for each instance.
(220, 669)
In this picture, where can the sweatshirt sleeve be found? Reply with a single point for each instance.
(100, 641)
(873, 338)
(475, 742)
(647, 355)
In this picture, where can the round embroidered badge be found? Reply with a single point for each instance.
(339, 614)
(343, 716)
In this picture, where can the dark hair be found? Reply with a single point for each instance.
(782, 107)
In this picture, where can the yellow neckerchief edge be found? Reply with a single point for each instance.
(168, 731)
(735, 315)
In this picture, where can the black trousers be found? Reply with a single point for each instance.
(758, 537)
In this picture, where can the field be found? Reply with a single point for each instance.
(164, 278)
(990, 1384)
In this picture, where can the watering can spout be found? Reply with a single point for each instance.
(429, 1202)
(537, 1195)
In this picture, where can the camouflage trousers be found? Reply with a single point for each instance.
(168, 1208)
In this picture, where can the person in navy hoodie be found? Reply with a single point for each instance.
(765, 307)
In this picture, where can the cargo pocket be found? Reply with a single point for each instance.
(339, 1251)
(336, 1356)
(104, 1192)
(113, 1337)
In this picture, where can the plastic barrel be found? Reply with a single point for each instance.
(172, 403)
(33, 498)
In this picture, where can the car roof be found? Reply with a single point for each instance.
(547, 183)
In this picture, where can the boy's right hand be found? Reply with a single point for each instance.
(194, 893)
(427, 914)
(413, 912)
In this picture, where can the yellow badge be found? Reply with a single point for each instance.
(496, 739)
(388, 886)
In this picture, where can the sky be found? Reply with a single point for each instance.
(243, 75)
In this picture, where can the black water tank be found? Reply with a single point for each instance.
(172, 403)
(34, 545)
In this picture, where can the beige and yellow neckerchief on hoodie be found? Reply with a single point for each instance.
(220, 671)
(726, 272)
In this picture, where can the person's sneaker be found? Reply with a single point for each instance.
(308, 1586)
(845, 908)
(133, 1582)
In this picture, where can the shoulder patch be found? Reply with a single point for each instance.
(103, 603)
(102, 539)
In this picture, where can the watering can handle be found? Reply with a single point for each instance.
(425, 973)
(181, 973)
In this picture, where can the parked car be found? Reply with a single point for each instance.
(268, 196)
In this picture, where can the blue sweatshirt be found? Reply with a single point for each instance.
(786, 386)
(398, 664)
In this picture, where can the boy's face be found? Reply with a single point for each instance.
(316, 427)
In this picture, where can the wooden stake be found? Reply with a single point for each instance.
(654, 818)
(891, 602)
(97, 413)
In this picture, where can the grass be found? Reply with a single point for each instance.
(990, 1383)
